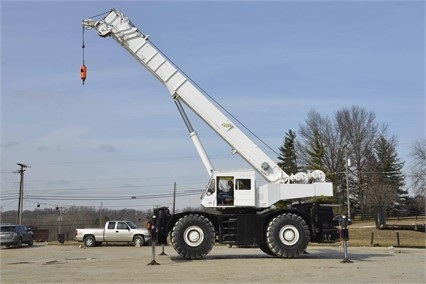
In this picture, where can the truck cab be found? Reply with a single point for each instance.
(119, 231)
(230, 189)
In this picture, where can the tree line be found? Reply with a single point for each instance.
(356, 152)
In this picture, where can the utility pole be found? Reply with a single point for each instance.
(21, 192)
(100, 216)
(347, 164)
(174, 197)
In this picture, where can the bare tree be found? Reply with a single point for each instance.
(353, 129)
(359, 130)
(378, 193)
(325, 132)
(418, 167)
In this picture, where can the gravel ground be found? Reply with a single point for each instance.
(53, 263)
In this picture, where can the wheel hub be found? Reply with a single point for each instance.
(193, 236)
(289, 235)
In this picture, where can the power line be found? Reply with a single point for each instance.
(105, 197)
(103, 162)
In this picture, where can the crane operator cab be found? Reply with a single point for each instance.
(225, 190)
(230, 189)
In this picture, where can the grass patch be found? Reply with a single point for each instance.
(364, 233)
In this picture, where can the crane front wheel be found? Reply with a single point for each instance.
(193, 236)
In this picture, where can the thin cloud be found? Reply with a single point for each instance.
(43, 148)
(10, 144)
(107, 148)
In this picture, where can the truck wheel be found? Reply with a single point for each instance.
(193, 236)
(287, 235)
(139, 241)
(31, 241)
(18, 243)
(89, 241)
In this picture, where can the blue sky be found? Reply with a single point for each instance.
(120, 136)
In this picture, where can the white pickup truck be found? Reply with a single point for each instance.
(114, 231)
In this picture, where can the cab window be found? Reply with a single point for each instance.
(212, 187)
(243, 184)
(225, 183)
(122, 226)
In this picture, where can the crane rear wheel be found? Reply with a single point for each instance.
(287, 235)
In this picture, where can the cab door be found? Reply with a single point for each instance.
(119, 233)
(244, 191)
(123, 232)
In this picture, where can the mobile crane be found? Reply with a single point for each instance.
(244, 213)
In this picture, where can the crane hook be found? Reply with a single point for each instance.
(83, 73)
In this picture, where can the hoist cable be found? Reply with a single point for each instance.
(101, 14)
(83, 45)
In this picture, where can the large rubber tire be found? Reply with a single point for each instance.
(139, 240)
(89, 241)
(266, 249)
(193, 236)
(31, 242)
(287, 235)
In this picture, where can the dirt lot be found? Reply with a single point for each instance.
(55, 263)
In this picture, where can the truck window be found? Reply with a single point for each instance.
(131, 225)
(111, 225)
(122, 226)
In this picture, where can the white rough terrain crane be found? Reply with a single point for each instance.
(244, 214)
